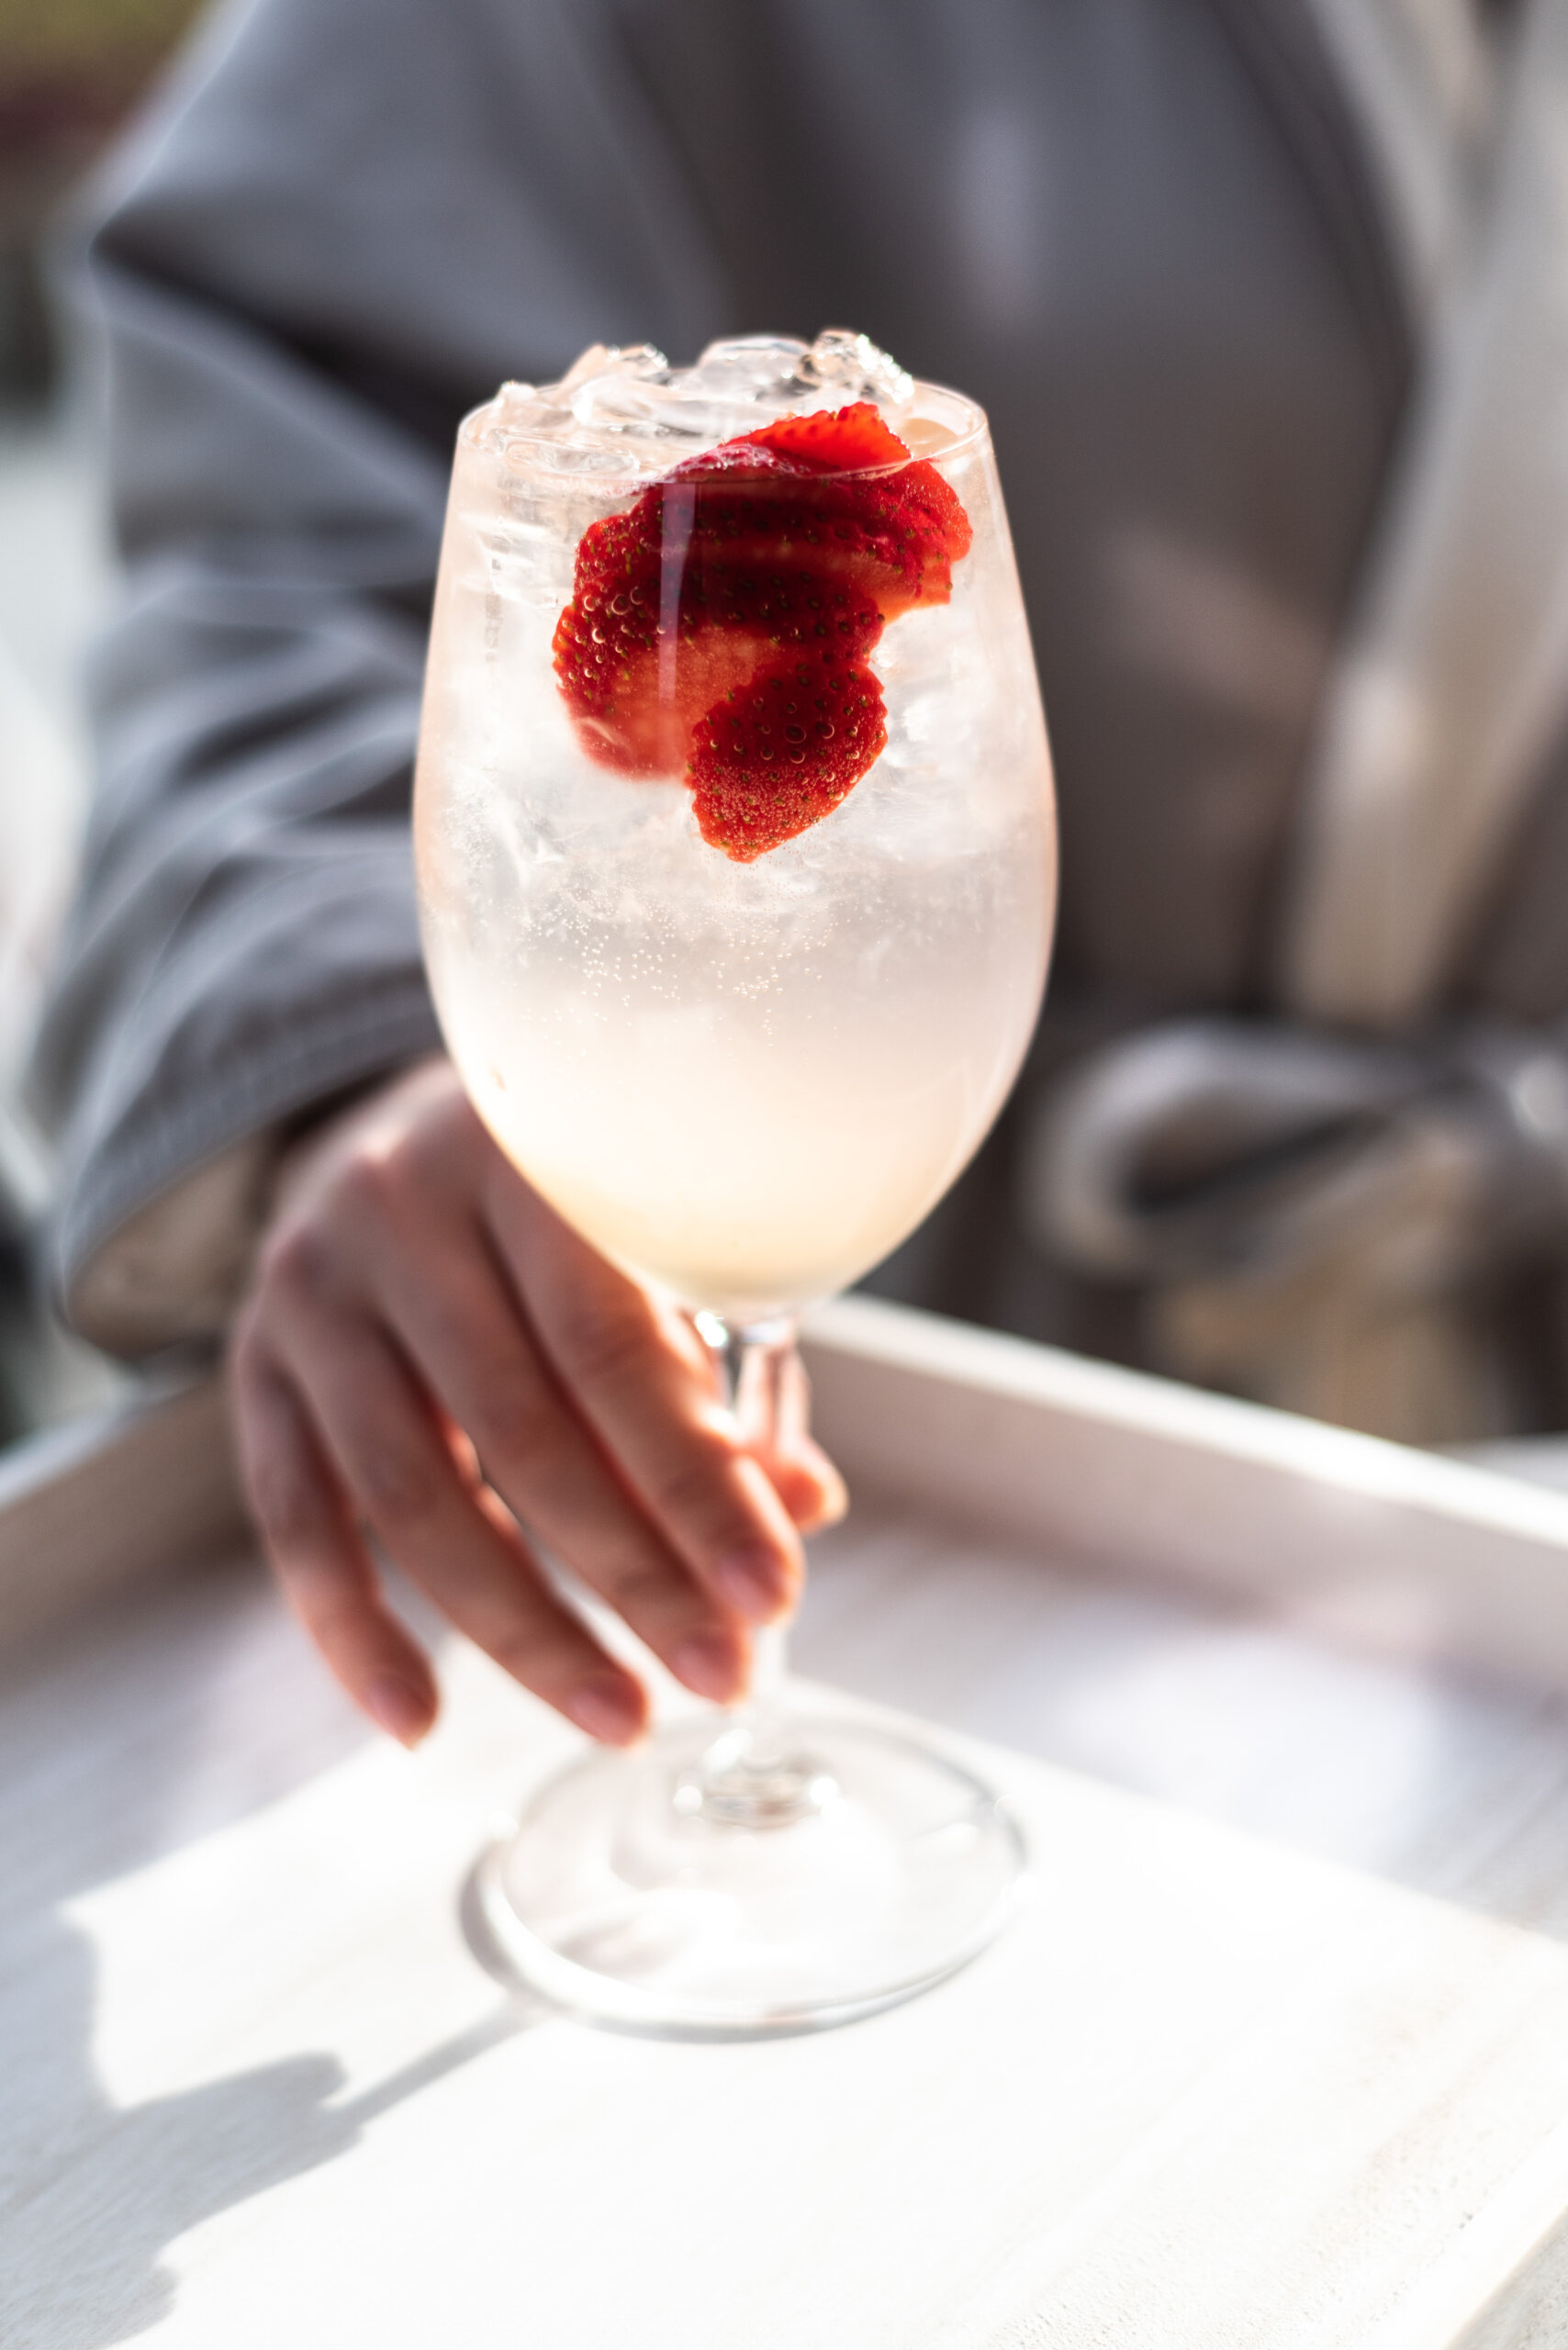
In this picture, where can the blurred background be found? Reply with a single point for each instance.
(1274, 1205)
(70, 71)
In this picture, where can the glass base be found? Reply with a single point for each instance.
(691, 1887)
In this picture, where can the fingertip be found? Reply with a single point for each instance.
(397, 1707)
(757, 1582)
(809, 1487)
(610, 1708)
(818, 1497)
(711, 1665)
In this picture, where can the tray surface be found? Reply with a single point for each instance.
(1277, 2056)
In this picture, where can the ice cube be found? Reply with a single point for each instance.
(851, 367)
(627, 408)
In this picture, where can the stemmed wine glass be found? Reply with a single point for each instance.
(735, 849)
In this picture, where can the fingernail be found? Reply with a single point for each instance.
(708, 1663)
(606, 1709)
(833, 1503)
(752, 1583)
(835, 1506)
(403, 1711)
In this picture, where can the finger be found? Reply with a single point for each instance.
(808, 1484)
(799, 1469)
(320, 1561)
(452, 1538)
(459, 1320)
(615, 1351)
(800, 1472)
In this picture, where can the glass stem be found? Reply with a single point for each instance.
(756, 1362)
(754, 1774)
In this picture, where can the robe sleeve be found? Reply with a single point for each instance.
(341, 225)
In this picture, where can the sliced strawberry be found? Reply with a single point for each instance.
(855, 438)
(762, 569)
(776, 756)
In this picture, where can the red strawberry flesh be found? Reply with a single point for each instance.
(719, 627)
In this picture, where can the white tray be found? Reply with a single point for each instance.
(1278, 2055)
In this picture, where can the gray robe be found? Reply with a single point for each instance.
(1145, 235)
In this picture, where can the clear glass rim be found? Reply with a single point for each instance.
(480, 433)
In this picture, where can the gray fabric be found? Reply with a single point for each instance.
(1140, 233)
(1452, 688)
(1323, 1223)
